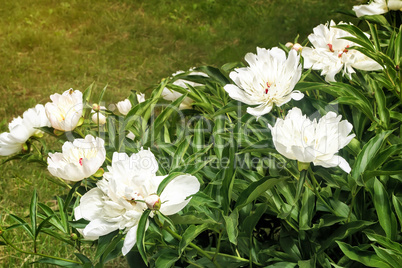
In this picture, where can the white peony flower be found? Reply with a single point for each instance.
(377, 7)
(140, 97)
(172, 95)
(298, 138)
(130, 135)
(331, 54)
(128, 188)
(21, 129)
(78, 160)
(124, 106)
(65, 110)
(269, 79)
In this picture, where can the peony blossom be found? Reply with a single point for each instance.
(127, 189)
(331, 54)
(269, 79)
(298, 138)
(21, 129)
(172, 95)
(140, 97)
(65, 110)
(125, 106)
(377, 7)
(78, 160)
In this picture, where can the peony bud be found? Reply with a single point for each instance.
(297, 47)
(96, 107)
(99, 173)
(153, 202)
(289, 44)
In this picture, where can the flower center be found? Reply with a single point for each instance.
(330, 47)
(80, 161)
(133, 198)
(344, 51)
(267, 88)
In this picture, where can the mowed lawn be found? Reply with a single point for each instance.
(49, 46)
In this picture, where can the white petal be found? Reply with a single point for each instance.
(336, 160)
(98, 228)
(238, 94)
(174, 196)
(130, 240)
(260, 110)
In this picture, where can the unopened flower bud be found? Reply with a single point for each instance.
(74, 236)
(58, 132)
(25, 148)
(96, 107)
(99, 173)
(80, 122)
(153, 202)
(297, 47)
(289, 44)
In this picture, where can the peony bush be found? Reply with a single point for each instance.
(213, 168)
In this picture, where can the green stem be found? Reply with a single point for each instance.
(316, 185)
(233, 257)
(35, 253)
(218, 245)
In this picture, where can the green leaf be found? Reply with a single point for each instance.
(190, 234)
(63, 214)
(398, 46)
(163, 116)
(251, 221)
(383, 208)
(385, 242)
(368, 152)
(231, 223)
(142, 227)
(166, 258)
(55, 221)
(397, 202)
(86, 96)
(378, 19)
(178, 156)
(61, 263)
(101, 94)
(307, 209)
(42, 224)
(256, 189)
(199, 139)
(393, 167)
(219, 142)
(84, 259)
(382, 109)
(374, 35)
(79, 224)
(214, 73)
(229, 173)
(384, 156)
(388, 256)
(103, 243)
(344, 231)
(361, 39)
(365, 257)
(33, 208)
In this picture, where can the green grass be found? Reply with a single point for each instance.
(49, 46)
